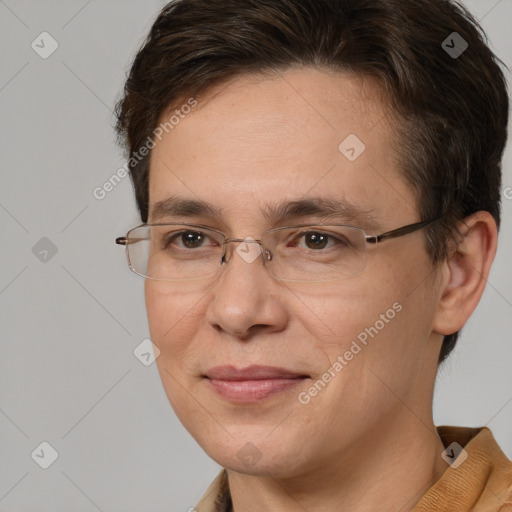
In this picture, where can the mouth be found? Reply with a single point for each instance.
(251, 384)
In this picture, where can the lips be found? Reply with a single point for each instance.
(251, 373)
(251, 384)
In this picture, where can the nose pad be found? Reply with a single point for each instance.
(247, 252)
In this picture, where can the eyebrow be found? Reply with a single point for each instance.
(321, 208)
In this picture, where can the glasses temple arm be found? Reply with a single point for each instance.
(399, 232)
(122, 240)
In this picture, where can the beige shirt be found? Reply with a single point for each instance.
(482, 483)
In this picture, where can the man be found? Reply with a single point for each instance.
(319, 183)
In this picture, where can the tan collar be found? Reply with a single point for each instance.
(482, 483)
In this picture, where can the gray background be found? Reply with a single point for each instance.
(68, 375)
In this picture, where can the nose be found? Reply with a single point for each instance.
(245, 298)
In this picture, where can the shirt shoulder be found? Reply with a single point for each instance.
(478, 479)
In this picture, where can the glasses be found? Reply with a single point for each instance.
(301, 253)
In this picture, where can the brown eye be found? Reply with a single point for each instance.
(187, 239)
(317, 240)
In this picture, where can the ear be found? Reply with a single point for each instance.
(465, 272)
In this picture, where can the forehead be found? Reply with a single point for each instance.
(262, 139)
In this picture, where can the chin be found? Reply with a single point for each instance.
(255, 455)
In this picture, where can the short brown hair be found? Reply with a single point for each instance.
(453, 110)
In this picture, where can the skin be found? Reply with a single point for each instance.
(367, 441)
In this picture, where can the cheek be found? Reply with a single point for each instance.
(400, 306)
(380, 318)
(346, 312)
(173, 318)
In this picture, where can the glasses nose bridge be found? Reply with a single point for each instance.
(264, 251)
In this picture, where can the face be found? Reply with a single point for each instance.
(345, 349)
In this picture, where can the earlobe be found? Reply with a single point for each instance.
(465, 273)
